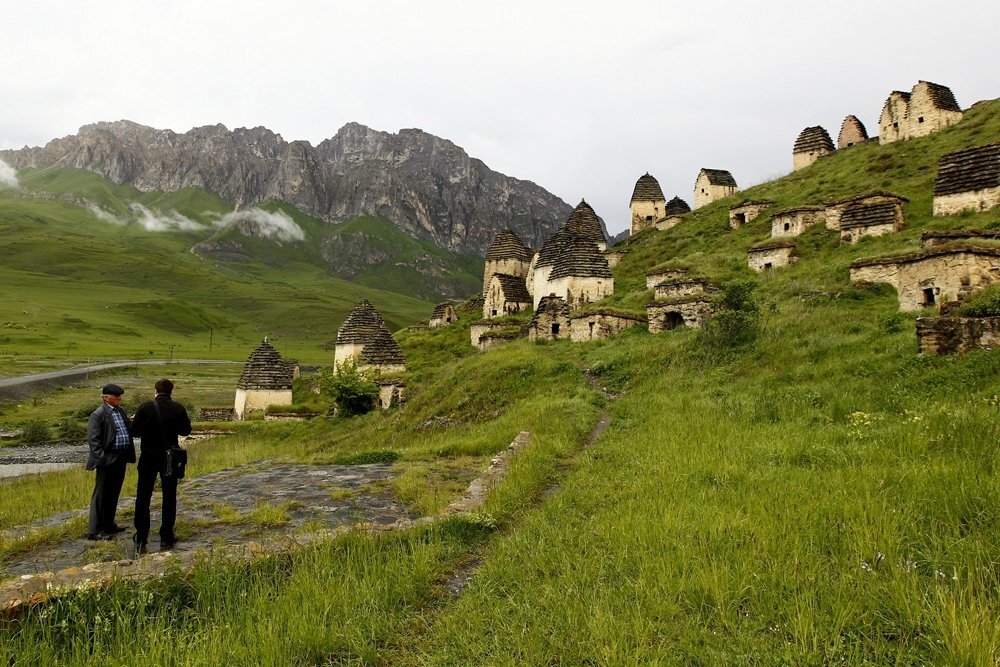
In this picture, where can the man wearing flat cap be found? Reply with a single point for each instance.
(111, 449)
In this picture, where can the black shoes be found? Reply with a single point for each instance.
(116, 530)
(167, 544)
(100, 537)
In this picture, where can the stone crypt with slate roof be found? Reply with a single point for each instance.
(712, 184)
(266, 380)
(580, 274)
(648, 205)
(507, 254)
(968, 180)
(927, 108)
(811, 144)
(357, 330)
(505, 295)
(443, 315)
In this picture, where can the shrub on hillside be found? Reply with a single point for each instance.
(737, 322)
(352, 389)
(983, 304)
(35, 431)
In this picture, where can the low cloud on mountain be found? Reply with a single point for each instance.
(105, 216)
(8, 177)
(263, 224)
(155, 221)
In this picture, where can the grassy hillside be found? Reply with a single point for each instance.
(76, 286)
(820, 495)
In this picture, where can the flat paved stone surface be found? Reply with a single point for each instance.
(325, 496)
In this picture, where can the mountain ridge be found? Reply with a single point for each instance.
(426, 185)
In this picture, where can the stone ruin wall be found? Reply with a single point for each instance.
(478, 329)
(795, 221)
(654, 279)
(248, 400)
(947, 276)
(390, 395)
(957, 335)
(693, 314)
(578, 291)
(542, 326)
(749, 213)
(892, 120)
(613, 257)
(599, 326)
(855, 234)
(663, 224)
(977, 200)
(758, 260)
(674, 290)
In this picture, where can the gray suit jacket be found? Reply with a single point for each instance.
(101, 439)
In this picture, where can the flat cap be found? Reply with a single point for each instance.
(112, 390)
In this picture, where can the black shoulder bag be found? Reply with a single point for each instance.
(176, 458)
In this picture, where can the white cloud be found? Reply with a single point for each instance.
(8, 177)
(155, 221)
(105, 216)
(263, 224)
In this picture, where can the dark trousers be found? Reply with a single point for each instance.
(151, 465)
(104, 500)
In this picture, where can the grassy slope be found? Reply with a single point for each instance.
(76, 287)
(827, 496)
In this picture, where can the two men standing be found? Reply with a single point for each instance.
(109, 434)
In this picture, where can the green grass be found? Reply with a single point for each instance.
(823, 496)
(80, 288)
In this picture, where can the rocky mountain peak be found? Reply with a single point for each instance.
(426, 185)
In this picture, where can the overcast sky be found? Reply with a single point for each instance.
(581, 97)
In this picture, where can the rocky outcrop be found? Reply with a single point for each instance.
(427, 186)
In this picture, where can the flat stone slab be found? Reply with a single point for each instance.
(325, 496)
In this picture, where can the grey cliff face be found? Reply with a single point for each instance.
(427, 186)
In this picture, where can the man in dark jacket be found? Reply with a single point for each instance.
(111, 449)
(158, 423)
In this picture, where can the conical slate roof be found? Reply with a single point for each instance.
(513, 288)
(720, 177)
(361, 325)
(507, 245)
(676, 206)
(868, 215)
(647, 189)
(813, 138)
(441, 310)
(553, 247)
(552, 305)
(265, 369)
(580, 259)
(971, 169)
(583, 222)
(382, 350)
